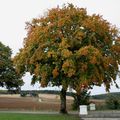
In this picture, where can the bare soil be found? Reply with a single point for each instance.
(44, 102)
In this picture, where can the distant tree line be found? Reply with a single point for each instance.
(105, 96)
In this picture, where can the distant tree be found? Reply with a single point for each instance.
(8, 76)
(70, 47)
(113, 102)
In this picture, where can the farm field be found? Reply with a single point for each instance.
(45, 102)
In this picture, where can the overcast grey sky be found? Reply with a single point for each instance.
(14, 14)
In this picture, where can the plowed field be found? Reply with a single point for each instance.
(43, 102)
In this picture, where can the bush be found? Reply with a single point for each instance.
(34, 94)
(23, 94)
(113, 102)
(82, 99)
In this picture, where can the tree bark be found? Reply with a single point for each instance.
(63, 101)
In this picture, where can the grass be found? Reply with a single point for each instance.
(19, 116)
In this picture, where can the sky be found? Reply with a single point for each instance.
(14, 14)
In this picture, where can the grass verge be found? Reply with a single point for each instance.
(19, 116)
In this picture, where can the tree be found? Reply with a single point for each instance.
(80, 99)
(8, 76)
(70, 47)
(112, 102)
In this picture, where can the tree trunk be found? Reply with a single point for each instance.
(63, 101)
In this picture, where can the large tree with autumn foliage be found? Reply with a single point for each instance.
(69, 47)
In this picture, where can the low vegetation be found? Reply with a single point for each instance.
(16, 116)
(113, 102)
(110, 101)
(82, 99)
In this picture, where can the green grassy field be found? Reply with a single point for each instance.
(17, 116)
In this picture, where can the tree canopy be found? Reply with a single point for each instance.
(8, 76)
(70, 47)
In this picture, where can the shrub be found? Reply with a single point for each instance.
(113, 102)
(82, 99)
(23, 94)
(34, 94)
